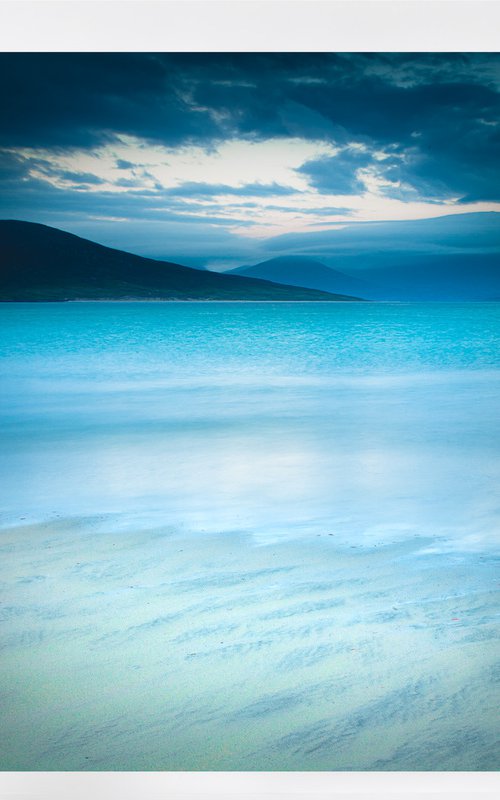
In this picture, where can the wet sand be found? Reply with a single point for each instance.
(168, 649)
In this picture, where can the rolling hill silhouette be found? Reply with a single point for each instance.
(40, 263)
(303, 271)
(452, 257)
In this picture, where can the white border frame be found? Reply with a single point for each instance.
(251, 26)
(249, 785)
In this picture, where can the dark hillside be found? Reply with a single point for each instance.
(41, 263)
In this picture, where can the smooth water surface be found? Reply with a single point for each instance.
(250, 536)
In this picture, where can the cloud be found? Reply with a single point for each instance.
(465, 232)
(340, 174)
(75, 99)
(272, 142)
(201, 189)
(449, 132)
(90, 183)
(235, 163)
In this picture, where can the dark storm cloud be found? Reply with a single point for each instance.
(443, 110)
(450, 131)
(337, 175)
(80, 99)
(438, 114)
(11, 168)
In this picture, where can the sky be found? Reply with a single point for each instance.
(214, 159)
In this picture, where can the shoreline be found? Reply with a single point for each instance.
(178, 300)
(130, 300)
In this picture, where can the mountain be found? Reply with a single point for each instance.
(455, 257)
(40, 263)
(433, 276)
(303, 271)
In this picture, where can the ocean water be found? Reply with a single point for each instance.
(250, 536)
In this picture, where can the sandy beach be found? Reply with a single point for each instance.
(161, 649)
(249, 537)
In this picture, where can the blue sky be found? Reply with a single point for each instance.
(213, 158)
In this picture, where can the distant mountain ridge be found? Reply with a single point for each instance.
(40, 263)
(450, 257)
(304, 271)
(391, 275)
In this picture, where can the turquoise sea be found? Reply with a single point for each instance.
(249, 536)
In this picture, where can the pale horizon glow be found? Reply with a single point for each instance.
(130, 165)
